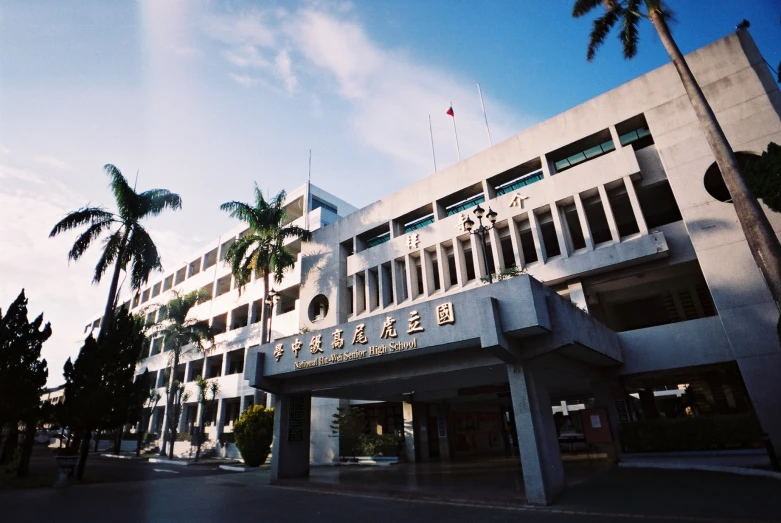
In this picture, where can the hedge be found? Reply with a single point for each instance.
(692, 433)
(254, 432)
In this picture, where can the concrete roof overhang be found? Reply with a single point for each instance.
(492, 325)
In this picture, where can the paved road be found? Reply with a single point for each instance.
(617, 496)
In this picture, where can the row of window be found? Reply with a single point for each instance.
(633, 131)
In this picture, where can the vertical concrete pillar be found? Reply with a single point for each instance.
(398, 272)
(615, 137)
(543, 470)
(427, 270)
(220, 421)
(182, 417)
(605, 399)
(539, 245)
(515, 239)
(636, 209)
(444, 267)
(290, 449)
(242, 403)
(412, 277)
(443, 421)
(546, 168)
(481, 267)
(584, 225)
(496, 250)
(372, 290)
(409, 431)
(420, 418)
(224, 365)
(561, 230)
(611, 220)
(577, 296)
(458, 252)
(359, 294)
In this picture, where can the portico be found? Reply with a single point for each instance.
(516, 333)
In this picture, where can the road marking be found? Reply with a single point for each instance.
(166, 470)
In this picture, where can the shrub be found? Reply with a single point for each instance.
(253, 432)
(692, 433)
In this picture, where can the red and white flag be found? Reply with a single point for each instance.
(450, 112)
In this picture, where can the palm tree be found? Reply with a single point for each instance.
(126, 243)
(181, 335)
(762, 241)
(206, 389)
(262, 249)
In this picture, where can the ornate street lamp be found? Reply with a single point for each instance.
(272, 298)
(481, 231)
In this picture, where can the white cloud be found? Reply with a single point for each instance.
(4, 150)
(51, 161)
(284, 71)
(389, 95)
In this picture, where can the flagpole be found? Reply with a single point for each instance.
(431, 134)
(308, 191)
(458, 149)
(490, 142)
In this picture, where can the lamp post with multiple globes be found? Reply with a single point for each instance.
(481, 231)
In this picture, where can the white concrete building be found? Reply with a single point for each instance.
(638, 294)
(234, 317)
(638, 284)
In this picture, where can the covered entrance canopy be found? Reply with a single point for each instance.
(515, 332)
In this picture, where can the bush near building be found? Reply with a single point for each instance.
(254, 431)
(692, 433)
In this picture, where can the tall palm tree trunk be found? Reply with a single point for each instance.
(762, 241)
(108, 314)
(169, 411)
(83, 453)
(27, 447)
(199, 432)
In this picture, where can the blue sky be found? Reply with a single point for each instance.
(203, 98)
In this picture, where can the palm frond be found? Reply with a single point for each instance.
(293, 231)
(86, 238)
(124, 196)
(582, 7)
(155, 201)
(629, 34)
(601, 29)
(81, 217)
(110, 250)
(242, 211)
(144, 256)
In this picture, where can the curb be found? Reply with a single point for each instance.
(121, 456)
(741, 471)
(169, 462)
(237, 468)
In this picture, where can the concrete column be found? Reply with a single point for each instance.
(546, 168)
(420, 418)
(443, 415)
(224, 366)
(611, 220)
(577, 296)
(242, 403)
(372, 290)
(412, 277)
(398, 272)
(539, 245)
(220, 417)
(290, 449)
(638, 212)
(439, 211)
(427, 270)
(477, 256)
(359, 294)
(515, 239)
(543, 470)
(386, 285)
(458, 252)
(444, 267)
(584, 225)
(615, 137)
(558, 225)
(604, 398)
(409, 432)
(488, 192)
(496, 250)
(182, 418)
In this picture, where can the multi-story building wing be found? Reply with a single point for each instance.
(234, 317)
(638, 278)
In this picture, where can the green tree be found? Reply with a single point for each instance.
(143, 404)
(99, 384)
(254, 432)
(761, 238)
(181, 335)
(763, 175)
(262, 249)
(207, 392)
(126, 241)
(22, 378)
